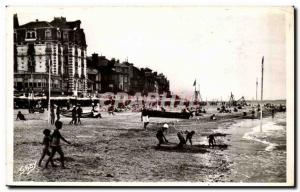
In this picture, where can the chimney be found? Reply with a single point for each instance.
(94, 58)
(16, 21)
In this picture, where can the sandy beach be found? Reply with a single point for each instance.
(117, 148)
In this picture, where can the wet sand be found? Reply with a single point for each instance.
(117, 148)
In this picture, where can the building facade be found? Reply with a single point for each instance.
(123, 77)
(58, 47)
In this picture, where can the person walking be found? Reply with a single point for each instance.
(79, 113)
(55, 145)
(46, 146)
(74, 118)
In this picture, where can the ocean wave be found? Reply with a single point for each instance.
(269, 130)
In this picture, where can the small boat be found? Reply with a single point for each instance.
(84, 115)
(163, 114)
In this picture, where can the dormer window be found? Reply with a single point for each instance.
(65, 35)
(30, 34)
(48, 34)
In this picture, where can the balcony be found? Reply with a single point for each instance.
(30, 39)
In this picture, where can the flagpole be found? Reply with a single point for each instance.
(49, 90)
(261, 96)
(195, 94)
(195, 89)
(256, 88)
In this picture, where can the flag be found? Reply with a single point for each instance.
(262, 61)
(194, 83)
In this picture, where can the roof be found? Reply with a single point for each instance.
(60, 22)
(36, 24)
(92, 71)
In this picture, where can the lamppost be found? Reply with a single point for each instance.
(30, 79)
(49, 88)
(76, 78)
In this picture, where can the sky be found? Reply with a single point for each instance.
(220, 47)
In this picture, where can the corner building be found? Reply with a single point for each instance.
(58, 44)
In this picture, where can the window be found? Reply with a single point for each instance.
(48, 34)
(58, 35)
(65, 35)
(48, 46)
(31, 34)
(15, 36)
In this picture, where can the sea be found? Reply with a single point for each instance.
(258, 154)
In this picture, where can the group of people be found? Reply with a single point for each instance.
(76, 115)
(182, 140)
(51, 145)
(52, 140)
(52, 113)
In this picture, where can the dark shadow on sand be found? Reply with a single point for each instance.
(171, 147)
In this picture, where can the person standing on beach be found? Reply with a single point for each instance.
(74, 118)
(58, 113)
(79, 113)
(273, 112)
(144, 117)
(55, 145)
(52, 114)
(211, 140)
(111, 110)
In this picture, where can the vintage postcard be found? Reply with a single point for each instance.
(150, 96)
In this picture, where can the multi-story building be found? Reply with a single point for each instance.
(163, 84)
(112, 76)
(58, 47)
(94, 74)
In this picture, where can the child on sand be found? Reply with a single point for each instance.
(144, 118)
(182, 141)
(46, 143)
(55, 144)
(160, 135)
(211, 140)
(20, 116)
(189, 136)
